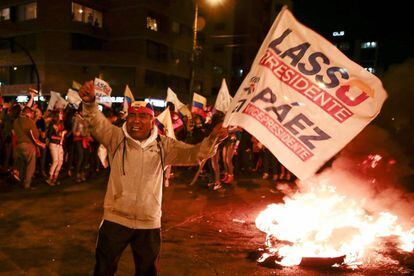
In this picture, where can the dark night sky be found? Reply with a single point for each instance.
(390, 23)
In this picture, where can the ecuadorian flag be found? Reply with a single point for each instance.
(199, 104)
(128, 98)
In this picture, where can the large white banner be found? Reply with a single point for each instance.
(304, 99)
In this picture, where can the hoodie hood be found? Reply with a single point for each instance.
(144, 143)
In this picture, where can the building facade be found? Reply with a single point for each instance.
(146, 44)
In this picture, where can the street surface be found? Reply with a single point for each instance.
(52, 230)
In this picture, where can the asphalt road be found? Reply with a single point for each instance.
(52, 230)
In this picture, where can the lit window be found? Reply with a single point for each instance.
(86, 15)
(369, 44)
(152, 24)
(77, 12)
(370, 69)
(4, 14)
(27, 11)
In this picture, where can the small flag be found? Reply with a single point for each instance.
(199, 104)
(103, 92)
(128, 98)
(56, 101)
(223, 98)
(179, 106)
(165, 123)
(73, 97)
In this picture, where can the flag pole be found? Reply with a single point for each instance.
(202, 163)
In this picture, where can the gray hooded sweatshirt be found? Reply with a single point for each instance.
(134, 192)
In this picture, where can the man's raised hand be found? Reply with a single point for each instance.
(87, 92)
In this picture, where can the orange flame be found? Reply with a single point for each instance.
(323, 223)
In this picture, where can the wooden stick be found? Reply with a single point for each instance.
(200, 168)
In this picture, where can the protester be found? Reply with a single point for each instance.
(81, 140)
(10, 116)
(41, 126)
(270, 165)
(218, 116)
(27, 139)
(245, 153)
(56, 135)
(132, 208)
(229, 148)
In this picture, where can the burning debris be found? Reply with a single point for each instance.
(324, 224)
(345, 217)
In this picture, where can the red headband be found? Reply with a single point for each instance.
(141, 109)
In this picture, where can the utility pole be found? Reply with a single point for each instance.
(193, 53)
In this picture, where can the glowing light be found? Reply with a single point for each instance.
(340, 33)
(156, 102)
(214, 2)
(15, 68)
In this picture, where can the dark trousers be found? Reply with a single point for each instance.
(270, 163)
(81, 154)
(113, 238)
(25, 162)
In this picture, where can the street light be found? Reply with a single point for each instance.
(215, 2)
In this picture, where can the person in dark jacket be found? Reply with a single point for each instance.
(27, 136)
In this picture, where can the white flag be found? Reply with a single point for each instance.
(102, 92)
(223, 98)
(179, 106)
(56, 101)
(73, 97)
(304, 99)
(172, 97)
(165, 119)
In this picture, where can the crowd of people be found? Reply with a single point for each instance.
(57, 143)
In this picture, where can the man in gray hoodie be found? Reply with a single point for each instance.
(132, 206)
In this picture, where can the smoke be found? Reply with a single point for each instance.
(370, 170)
